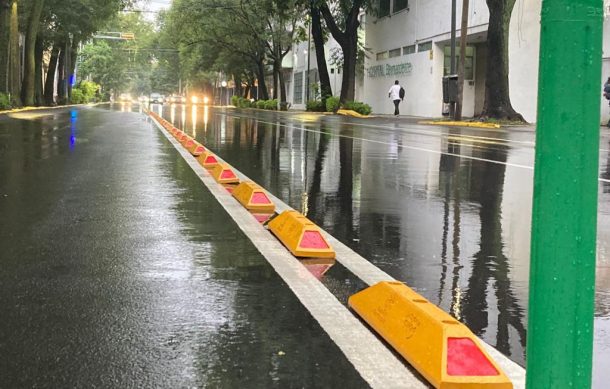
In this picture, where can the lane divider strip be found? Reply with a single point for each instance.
(377, 365)
(304, 239)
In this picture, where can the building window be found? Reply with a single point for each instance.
(338, 70)
(399, 5)
(298, 88)
(394, 53)
(468, 62)
(384, 8)
(381, 56)
(425, 46)
(332, 70)
(408, 50)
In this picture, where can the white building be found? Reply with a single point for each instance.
(411, 43)
(296, 83)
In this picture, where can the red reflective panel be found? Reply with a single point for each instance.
(210, 159)
(260, 198)
(464, 358)
(227, 174)
(313, 240)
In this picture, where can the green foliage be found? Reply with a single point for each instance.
(332, 104)
(315, 106)
(84, 93)
(361, 108)
(5, 102)
(261, 104)
(89, 90)
(241, 102)
(78, 97)
(271, 104)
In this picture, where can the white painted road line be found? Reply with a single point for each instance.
(293, 127)
(342, 324)
(377, 365)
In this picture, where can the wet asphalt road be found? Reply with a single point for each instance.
(446, 210)
(119, 269)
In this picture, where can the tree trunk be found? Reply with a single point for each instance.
(263, 93)
(38, 100)
(497, 94)
(348, 82)
(282, 86)
(318, 40)
(14, 58)
(72, 66)
(5, 22)
(460, 72)
(276, 71)
(29, 70)
(348, 40)
(49, 86)
(61, 79)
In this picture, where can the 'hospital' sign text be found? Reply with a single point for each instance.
(389, 70)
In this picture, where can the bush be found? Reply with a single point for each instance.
(235, 100)
(260, 104)
(5, 102)
(271, 104)
(89, 89)
(361, 108)
(332, 104)
(315, 106)
(78, 97)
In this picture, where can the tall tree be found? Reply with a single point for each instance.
(318, 40)
(461, 64)
(497, 94)
(5, 21)
(347, 17)
(49, 86)
(38, 59)
(29, 71)
(14, 60)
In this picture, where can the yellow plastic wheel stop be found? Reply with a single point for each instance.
(300, 236)
(440, 348)
(207, 159)
(223, 174)
(253, 197)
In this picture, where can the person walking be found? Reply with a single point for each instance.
(397, 94)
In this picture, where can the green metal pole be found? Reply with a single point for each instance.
(564, 219)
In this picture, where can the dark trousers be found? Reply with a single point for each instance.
(396, 102)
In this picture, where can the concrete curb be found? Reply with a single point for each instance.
(460, 124)
(27, 109)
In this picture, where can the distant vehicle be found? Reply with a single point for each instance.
(177, 99)
(198, 100)
(156, 98)
(125, 97)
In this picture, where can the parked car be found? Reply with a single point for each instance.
(156, 98)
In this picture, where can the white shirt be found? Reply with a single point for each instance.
(394, 92)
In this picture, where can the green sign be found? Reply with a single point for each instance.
(388, 70)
